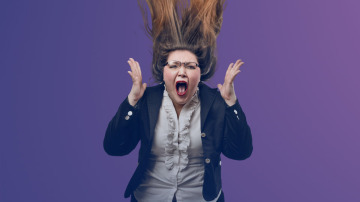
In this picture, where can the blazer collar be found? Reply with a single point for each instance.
(207, 97)
(154, 100)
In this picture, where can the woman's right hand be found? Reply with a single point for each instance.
(138, 88)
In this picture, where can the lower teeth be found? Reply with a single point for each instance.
(181, 89)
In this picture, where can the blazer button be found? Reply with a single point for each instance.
(203, 135)
(207, 160)
(127, 117)
(219, 163)
(130, 113)
(235, 111)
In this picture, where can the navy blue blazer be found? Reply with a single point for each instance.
(224, 130)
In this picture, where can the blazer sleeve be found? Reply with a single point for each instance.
(122, 133)
(237, 141)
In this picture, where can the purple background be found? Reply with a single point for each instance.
(63, 76)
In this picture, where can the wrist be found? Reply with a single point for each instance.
(132, 101)
(231, 101)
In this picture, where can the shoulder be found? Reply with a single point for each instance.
(154, 90)
(153, 95)
(210, 97)
(208, 92)
(206, 89)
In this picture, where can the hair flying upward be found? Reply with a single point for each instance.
(183, 25)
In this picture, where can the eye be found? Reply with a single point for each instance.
(191, 65)
(173, 64)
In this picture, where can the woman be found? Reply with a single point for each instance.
(182, 124)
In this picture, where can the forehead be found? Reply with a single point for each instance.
(182, 56)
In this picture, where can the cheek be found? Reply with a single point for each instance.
(195, 76)
(166, 75)
(169, 77)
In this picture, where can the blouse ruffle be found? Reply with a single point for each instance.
(183, 133)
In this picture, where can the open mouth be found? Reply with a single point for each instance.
(181, 87)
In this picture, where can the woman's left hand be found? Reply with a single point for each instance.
(227, 89)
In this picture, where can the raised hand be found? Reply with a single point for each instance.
(138, 88)
(227, 89)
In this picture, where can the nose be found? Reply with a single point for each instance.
(182, 71)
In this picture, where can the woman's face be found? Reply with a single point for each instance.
(181, 81)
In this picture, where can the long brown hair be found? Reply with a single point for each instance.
(183, 25)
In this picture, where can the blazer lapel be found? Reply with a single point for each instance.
(154, 100)
(207, 97)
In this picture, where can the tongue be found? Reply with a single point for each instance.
(181, 90)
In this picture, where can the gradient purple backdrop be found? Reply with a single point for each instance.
(63, 76)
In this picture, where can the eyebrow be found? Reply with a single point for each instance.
(181, 62)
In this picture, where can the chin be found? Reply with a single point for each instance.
(180, 101)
